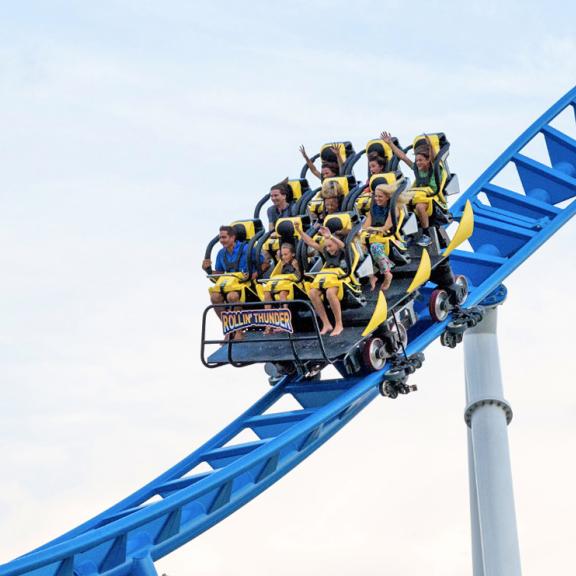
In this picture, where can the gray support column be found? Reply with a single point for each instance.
(477, 565)
(488, 415)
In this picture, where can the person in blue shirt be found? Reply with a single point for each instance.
(232, 260)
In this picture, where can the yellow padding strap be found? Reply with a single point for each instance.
(341, 180)
(248, 226)
(344, 219)
(380, 147)
(296, 187)
(422, 274)
(429, 139)
(293, 219)
(340, 148)
(464, 231)
(387, 179)
(378, 316)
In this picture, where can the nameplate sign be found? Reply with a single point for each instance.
(279, 318)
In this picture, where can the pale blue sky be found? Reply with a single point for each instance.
(130, 132)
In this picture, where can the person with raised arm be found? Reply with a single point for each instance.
(327, 279)
(423, 166)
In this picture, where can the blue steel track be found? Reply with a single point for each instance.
(180, 504)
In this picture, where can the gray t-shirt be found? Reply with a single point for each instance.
(274, 214)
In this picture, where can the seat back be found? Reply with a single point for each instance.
(345, 151)
(385, 152)
(246, 230)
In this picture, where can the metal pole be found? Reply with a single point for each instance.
(487, 414)
(477, 565)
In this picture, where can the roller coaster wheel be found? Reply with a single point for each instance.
(449, 339)
(462, 283)
(386, 389)
(439, 305)
(374, 354)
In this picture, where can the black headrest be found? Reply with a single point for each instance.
(334, 225)
(285, 229)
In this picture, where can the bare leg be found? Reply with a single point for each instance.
(373, 281)
(332, 295)
(217, 298)
(422, 215)
(316, 300)
(387, 280)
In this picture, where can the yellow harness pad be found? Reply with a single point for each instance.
(280, 283)
(363, 203)
(230, 282)
(328, 278)
(425, 195)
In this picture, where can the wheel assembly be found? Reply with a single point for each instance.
(439, 305)
(462, 283)
(387, 390)
(374, 354)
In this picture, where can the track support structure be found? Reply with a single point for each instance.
(495, 548)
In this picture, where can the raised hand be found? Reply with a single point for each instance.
(303, 151)
(386, 136)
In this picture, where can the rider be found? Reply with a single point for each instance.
(424, 171)
(327, 279)
(379, 224)
(281, 207)
(232, 258)
(328, 169)
(376, 163)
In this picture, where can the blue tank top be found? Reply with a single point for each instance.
(379, 214)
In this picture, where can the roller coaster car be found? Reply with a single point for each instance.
(376, 326)
(248, 232)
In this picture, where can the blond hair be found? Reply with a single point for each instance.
(331, 189)
(390, 189)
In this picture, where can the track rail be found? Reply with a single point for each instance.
(181, 504)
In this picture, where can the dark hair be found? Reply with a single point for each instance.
(422, 150)
(332, 166)
(282, 187)
(229, 230)
(375, 157)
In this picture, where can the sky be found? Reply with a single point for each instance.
(130, 132)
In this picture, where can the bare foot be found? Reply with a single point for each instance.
(337, 331)
(373, 281)
(387, 281)
(326, 328)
